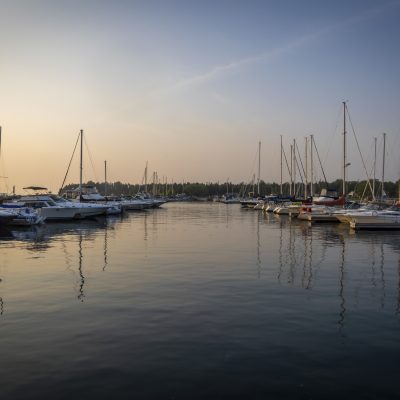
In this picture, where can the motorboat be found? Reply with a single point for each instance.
(288, 208)
(230, 198)
(384, 219)
(25, 216)
(317, 213)
(58, 210)
(251, 203)
(153, 202)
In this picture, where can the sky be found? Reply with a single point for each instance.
(193, 86)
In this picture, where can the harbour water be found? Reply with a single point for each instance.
(199, 301)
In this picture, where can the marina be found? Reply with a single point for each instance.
(197, 294)
(200, 200)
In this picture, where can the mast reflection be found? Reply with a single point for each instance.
(105, 248)
(382, 271)
(81, 295)
(258, 246)
(1, 303)
(342, 298)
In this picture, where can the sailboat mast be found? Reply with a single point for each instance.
(0, 141)
(344, 148)
(105, 178)
(291, 169)
(259, 168)
(383, 165)
(81, 167)
(306, 171)
(145, 178)
(311, 167)
(294, 167)
(373, 182)
(281, 168)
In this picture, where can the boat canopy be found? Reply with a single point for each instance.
(34, 188)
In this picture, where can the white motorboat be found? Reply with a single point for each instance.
(288, 209)
(315, 213)
(86, 209)
(152, 202)
(25, 216)
(134, 204)
(58, 210)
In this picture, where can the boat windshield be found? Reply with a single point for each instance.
(58, 199)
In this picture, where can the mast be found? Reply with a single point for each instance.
(294, 167)
(281, 168)
(311, 166)
(0, 141)
(145, 178)
(81, 168)
(259, 168)
(383, 165)
(291, 169)
(105, 178)
(344, 148)
(373, 182)
(306, 171)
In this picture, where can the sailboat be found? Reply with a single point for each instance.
(87, 193)
(254, 201)
(331, 199)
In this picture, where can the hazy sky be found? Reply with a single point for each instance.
(192, 86)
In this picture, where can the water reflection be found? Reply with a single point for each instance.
(305, 251)
(72, 239)
(81, 294)
(342, 311)
(293, 253)
(105, 248)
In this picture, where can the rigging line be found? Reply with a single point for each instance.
(251, 173)
(378, 150)
(90, 158)
(363, 193)
(254, 165)
(298, 168)
(319, 159)
(287, 164)
(3, 168)
(70, 161)
(301, 162)
(359, 150)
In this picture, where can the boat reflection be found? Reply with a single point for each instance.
(367, 266)
(75, 240)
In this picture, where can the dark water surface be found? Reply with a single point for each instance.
(199, 301)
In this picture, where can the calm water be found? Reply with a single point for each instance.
(199, 301)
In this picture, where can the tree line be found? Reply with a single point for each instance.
(358, 189)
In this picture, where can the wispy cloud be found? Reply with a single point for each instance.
(275, 54)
